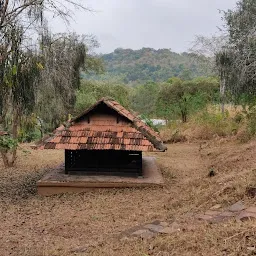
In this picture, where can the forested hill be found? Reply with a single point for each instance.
(150, 64)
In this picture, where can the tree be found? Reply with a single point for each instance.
(208, 46)
(18, 73)
(173, 100)
(23, 64)
(144, 65)
(180, 98)
(241, 29)
(13, 10)
(218, 58)
(91, 91)
(64, 56)
(144, 98)
(224, 65)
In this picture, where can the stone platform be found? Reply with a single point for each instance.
(56, 181)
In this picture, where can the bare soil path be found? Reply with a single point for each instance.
(91, 223)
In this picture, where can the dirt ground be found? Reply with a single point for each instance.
(90, 223)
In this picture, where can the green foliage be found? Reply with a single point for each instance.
(29, 129)
(144, 98)
(7, 143)
(153, 100)
(34, 135)
(217, 123)
(174, 80)
(237, 62)
(18, 74)
(36, 78)
(91, 91)
(147, 64)
(251, 119)
(64, 56)
(247, 115)
(238, 118)
(179, 98)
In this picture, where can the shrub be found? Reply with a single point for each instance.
(173, 132)
(179, 99)
(251, 120)
(217, 123)
(238, 118)
(7, 143)
(176, 137)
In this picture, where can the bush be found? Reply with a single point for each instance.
(173, 132)
(176, 137)
(7, 143)
(217, 123)
(238, 118)
(204, 125)
(251, 120)
(30, 136)
(179, 99)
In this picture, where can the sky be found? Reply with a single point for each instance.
(134, 24)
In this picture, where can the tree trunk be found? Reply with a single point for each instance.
(5, 158)
(41, 128)
(13, 157)
(222, 95)
(9, 156)
(15, 125)
(184, 116)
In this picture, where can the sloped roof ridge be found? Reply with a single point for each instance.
(136, 122)
(110, 102)
(147, 131)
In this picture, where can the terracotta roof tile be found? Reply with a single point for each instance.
(56, 139)
(120, 134)
(102, 133)
(74, 140)
(50, 145)
(83, 140)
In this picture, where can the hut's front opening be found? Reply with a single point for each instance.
(103, 162)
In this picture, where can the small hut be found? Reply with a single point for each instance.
(106, 139)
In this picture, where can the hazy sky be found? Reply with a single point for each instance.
(147, 23)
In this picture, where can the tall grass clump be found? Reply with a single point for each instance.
(210, 123)
(215, 123)
(248, 130)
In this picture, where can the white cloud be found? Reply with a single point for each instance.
(148, 23)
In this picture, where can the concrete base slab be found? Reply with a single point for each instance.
(56, 181)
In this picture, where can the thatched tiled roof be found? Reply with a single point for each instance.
(129, 134)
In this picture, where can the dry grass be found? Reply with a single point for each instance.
(209, 124)
(92, 221)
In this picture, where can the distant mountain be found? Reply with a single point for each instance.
(148, 64)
